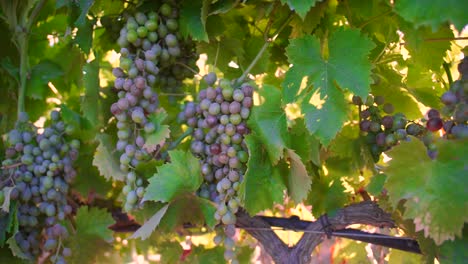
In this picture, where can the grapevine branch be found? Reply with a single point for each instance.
(367, 213)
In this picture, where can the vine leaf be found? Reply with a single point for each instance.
(149, 226)
(454, 11)
(431, 188)
(90, 104)
(325, 106)
(193, 16)
(269, 121)
(300, 7)
(262, 185)
(105, 161)
(84, 6)
(91, 233)
(161, 132)
(182, 175)
(299, 180)
(41, 74)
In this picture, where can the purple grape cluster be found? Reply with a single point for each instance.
(152, 55)
(456, 105)
(152, 43)
(219, 127)
(37, 174)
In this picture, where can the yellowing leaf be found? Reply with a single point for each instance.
(299, 180)
(105, 161)
(434, 191)
(149, 226)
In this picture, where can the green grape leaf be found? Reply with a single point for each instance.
(455, 251)
(268, 120)
(307, 24)
(158, 137)
(305, 145)
(188, 208)
(146, 169)
(105, 161)
(90, 180)
(90, 103)
(421, 85)
(84, 6)
(431, 188)
(325, 107)
(84, 35)
(300, 7)
(429, 13)
(222, 6)
(262, 185)
(83, 129)
(399, 256)
(299, 181)
(15, 249)
(193, 16)
(92, 234)
(349, 70)
(182, 175)
(325, 120)
(327, 195)
(351, 251)
(389, 86)
(208, 210)
(418, 43)
(376, 185)
(6, 203)
(149, 226)
(41, 74)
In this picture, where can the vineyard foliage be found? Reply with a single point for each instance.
(138, 129)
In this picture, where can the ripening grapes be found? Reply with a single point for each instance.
(153, 54)
(219, 126)
(37, 174)
(384, 130)
(162, 52)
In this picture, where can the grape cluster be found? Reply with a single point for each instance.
(152, 42)
(152, 55)
(456, 105)
(219, 127)
(383, 130)
(37, 175)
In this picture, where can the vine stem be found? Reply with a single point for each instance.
(263, 48)
(175, 143)
(23, 44)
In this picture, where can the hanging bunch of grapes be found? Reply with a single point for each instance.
(153, 54)
(385, 130)
(219, 127)
(36, 178)
(155, 45)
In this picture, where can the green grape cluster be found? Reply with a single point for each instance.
(37, 174)
(152, 54)
(162, 51)
(219, 127)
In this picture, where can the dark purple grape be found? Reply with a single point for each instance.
(387, 122)
(434, 124)
(433, 113)
(388, 108)
(449, 98)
